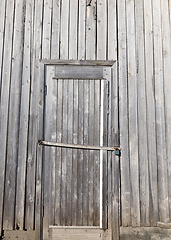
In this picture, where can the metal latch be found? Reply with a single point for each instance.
(118, 152)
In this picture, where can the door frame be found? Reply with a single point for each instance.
(109, 71)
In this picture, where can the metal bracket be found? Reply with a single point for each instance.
(118, 152)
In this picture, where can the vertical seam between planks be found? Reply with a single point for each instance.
(78, 12)
(68, 57)
(51, 28)
(107, 23)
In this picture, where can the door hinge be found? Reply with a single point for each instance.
(45, 89)
(42, 211)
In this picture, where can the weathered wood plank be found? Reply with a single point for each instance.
(142, 126)
(46, 38)
(69, 176)
(132, 107)
(76, 233)
(64, 36)
(115, 161)
(112, 30)
(82, 29)
(151, 127)
(73, 31)
(80, 155)
(91, 11)
(91, 154)
(123, 113)
(75, 153)
(13, 118)
(101, 29)
(33, 124)
(166, 31)
(39, 75)
(96, 154)
(4, 100)
(78, 62)
(48, 159)
(2, 34)
(24, 113)
(81, 72)
(160, 114)
(64, 154)
(85, 153)
(59, 157)
(56, 6)
(52, 119)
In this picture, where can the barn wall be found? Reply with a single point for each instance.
(144, 57)
(137, 33)
(32, 30)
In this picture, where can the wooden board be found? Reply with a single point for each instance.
(160, 115)
(151, 121)
(123, 119)
(77, 233)
(142, 126)
(132, 113)
(9, 120)
(82, 72)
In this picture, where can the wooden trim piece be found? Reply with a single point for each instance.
(77, 62)
(78, 72)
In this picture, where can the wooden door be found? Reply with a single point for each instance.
(75, 172)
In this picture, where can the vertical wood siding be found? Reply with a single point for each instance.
(138, 35)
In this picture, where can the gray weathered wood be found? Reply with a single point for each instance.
(64, 36)
(75, 153)
(24, 113)
(78, 62)
(76, 72)
(123, 119)
(166, 31)
(2, 31)
(73, 31)
(91, 18)
(81, 29)
(15, 39)
(80, 155)
(97, 154)
(39, 74)
(5, 96)
(58, 157)
(151, 126)
(101, 29)
(56, 6)
(132, 107)
(112, 29)
(69, 165)
(160, 115)
(86, 153)
(142, 126)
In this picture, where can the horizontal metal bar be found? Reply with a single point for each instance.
(68, 145)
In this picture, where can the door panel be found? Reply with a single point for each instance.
(72, 176)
